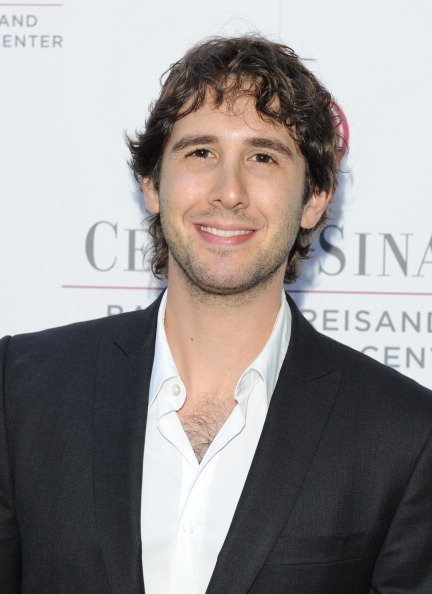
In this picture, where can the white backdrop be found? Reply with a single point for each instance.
(76, 75)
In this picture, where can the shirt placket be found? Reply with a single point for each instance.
(196, 482)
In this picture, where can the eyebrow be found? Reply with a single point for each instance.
(188, 141)
(258, 142)
(272, 144)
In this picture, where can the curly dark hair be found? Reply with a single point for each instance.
(284, 91)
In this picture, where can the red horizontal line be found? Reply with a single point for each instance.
(112, 287)
(322, 292)
(28, 4)
(408, 293)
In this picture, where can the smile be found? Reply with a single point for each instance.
(225, 232)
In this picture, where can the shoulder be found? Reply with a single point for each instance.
(75, 344)
(365, 373)
(68, 337)
(368, 390)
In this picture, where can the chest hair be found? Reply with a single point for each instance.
(202, 423)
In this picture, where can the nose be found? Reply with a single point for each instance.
(231, 188)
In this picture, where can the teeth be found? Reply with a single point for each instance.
(225, 232)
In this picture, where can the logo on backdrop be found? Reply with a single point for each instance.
(29, 31)
(109, 247)
(342, 129)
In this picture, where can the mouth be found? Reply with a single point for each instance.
(225, 232)
(224, 237)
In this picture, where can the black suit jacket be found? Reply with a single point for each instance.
(338, 498)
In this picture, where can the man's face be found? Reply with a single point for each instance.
(230, 197)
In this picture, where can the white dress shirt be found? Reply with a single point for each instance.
(187, 506)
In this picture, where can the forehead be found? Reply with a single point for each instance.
(235, 117)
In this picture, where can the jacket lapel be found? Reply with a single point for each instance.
(296, 419)
(119, 418)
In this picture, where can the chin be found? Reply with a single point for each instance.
(228, 285)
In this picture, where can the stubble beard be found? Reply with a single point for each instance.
(230, 287)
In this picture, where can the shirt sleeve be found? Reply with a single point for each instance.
(10, 546)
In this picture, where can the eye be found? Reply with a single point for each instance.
(201, 153)
(263, 158)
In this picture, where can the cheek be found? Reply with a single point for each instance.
(279, 201)
(179, 191)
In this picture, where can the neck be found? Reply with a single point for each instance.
(213, 338)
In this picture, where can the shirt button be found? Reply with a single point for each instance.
(175, 390)
(188, 528)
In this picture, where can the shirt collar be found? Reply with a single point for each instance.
(164, 366)
(267, 364)
(269, 361)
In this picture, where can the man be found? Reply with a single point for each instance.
(216, 440)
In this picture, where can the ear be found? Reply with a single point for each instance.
(151, 196)
(313, 209)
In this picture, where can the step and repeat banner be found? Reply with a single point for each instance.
(76, 75)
